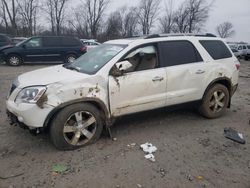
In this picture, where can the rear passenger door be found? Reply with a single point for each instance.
(185, 71)
(52, 48)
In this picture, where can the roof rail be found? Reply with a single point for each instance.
(178, 34)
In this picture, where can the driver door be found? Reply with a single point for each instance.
(140, 88)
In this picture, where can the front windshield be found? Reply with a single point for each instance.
(95, 59)
(20, 43)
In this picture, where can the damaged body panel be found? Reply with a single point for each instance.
(122, 77)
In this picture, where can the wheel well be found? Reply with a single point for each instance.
(223, 81)
(15, 54)
(54, 112)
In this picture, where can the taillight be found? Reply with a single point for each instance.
(83, 49)
(237, 66)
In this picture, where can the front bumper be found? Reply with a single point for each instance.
(29, 115)
(233, 90)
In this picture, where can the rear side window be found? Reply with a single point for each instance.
(216, 49)
(51, 42)
(178, 53)
(68, 41)
(3, 38)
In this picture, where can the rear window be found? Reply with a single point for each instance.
(178, 53)
(68, 41)
(216, 49)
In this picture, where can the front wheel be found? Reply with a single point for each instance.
(14, 60)
(76, 126)
(215, 101)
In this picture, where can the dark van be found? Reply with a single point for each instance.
(38, 49)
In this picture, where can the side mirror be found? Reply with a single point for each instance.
(123, 65)
(120, 67)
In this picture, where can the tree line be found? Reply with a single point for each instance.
(93, 18)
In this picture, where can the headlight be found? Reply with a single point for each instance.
(30, 94)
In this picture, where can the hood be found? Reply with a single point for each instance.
(6, 47)
(48, 76)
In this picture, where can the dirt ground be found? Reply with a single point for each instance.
(192, 151)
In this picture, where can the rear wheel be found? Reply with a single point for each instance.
(76, 126)
(70, 58)
(215, 101)
(14, 60)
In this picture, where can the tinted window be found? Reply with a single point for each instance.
(52, 42)
(69, 41)
(34, 43)
(216, 49)
(248, 47)
(244, 47)
(3, 38)
(178, 52)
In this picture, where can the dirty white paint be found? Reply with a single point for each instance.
(129, 93)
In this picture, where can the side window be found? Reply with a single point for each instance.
(244, 47)
(216, 49)
(142, 58)
(240, 48)
(34, 43)
(178, 52)
(3, 38)
(69, 41)
(248, 47)
(51, 42)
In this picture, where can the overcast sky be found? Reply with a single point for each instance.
(235, 11)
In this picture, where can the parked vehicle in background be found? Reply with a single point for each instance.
(4, 40)
(236, 53)
(120, 77)
(90, 44)
(242, 48)
(17, 40)
(39, 49)
(247, 57)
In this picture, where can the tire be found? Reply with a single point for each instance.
(215, 101)
(14, 60)
(70, 58)
(76, 126)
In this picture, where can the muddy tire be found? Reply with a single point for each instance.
(215, 101)
(14, 60)
(70, 58)
(76, 126)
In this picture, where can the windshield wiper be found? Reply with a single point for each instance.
(72, 68)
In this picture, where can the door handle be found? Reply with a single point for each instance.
(200, 71)
(157, 78)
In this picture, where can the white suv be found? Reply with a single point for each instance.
(76, 101)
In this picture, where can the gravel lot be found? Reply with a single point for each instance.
(192, 151)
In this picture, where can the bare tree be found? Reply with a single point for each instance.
(180, 20)
(114, 26)
(10, 12)
(167, 21)
(95, 10)
(130, 22)
(28, 11)
(225, 30)
(147, 14)
(191, 15)
(198, 14)
(55, 10)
